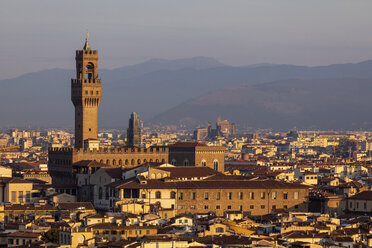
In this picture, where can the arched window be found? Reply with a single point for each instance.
(89, 71)
(157, 160)
(204, 163)
(107, 161)
(186, 162)
(174, 162)
(126, 162)
(120, 162)
(157, 195)
(139, 161)
(215, 164)
(100, 193)
(132, 162)
(163, 160)
(150, 160)
(107, 193)
(101, 161)
(173, 195)
(114, 162)
(158, 176)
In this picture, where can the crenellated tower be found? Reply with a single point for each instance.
(86, 94)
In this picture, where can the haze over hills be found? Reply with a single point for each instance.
(307, 104)
(155, 87)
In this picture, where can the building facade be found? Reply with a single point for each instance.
(134, 131)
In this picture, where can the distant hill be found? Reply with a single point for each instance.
(306, 104)
(150, 88)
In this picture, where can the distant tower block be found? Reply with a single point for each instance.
(86, 94)
(134, 131)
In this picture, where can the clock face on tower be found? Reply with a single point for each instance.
(81, 239)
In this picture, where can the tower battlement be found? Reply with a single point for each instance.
(74, 82)
(125, 150)
(86, 52)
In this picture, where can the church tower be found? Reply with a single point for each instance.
(86, 95)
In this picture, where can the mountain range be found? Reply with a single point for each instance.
(194, 90)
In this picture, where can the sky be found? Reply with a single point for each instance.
(38, 35)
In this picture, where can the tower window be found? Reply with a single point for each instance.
(90, 129)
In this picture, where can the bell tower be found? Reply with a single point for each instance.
(86, 94)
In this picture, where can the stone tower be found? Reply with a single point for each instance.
(86, 94)
(134, 131)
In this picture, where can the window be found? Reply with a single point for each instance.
(192, 207)
(100, 193)
(147, 231)
(14, 196)
(241, 195)
(285, 206)
(206, 196)
(206, 206)
(28, 196)
(193, 195)
(215, 164)
(186, 221)
(229, 207)
(186, 162)
(230, 195)
(273, 207)
(218, 207)
(218, 197)
(173, 195)
(143, 196)
(204, 163)
(273, 195)
(180, 221)
(157, 195)
(240, 208)
(262, 195)
(219, 230)
(20, 196)
(296, 194)
(365, 205)
(351, 204)
(251, 195)
(251, 206)
(180, 197)
(285, 195)
(262, 206)
(107, 193)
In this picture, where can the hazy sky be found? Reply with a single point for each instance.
(37, 35)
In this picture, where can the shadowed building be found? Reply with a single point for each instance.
(134, 131)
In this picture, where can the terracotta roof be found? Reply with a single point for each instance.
(189, 171)
(364, 195)
(24, 235)
(187, 144)
(30, 207)
(114, 172)
(75, 205)
(211, 184)
(19, 180)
